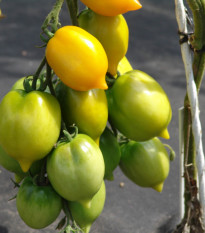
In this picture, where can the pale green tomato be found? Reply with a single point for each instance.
(85, 217)
(145, 163)
(138, 106)
(76, 169)
(30, 125)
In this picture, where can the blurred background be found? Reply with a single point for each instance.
(154, 49)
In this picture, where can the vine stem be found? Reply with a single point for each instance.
(52, 18)
(49, 79)
(36, 75)
(73, 9)
(193, 98)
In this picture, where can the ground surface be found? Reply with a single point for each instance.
(153, 48)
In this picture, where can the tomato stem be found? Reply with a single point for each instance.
(172, 153)
(49, 79)
(36, 75)
(73, 10)
(68, 136)
(52, 19)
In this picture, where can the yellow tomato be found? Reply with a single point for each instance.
(112, 7)
(77, 58)
(124, 66)
(112, 32)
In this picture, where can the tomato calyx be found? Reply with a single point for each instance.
(68, 136)
(110, 79)
(28, 81)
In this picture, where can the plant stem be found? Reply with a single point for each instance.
(36, 75)
(197, 8)
(53, 17)
(198, 68)
(49, 79)
(73, 9)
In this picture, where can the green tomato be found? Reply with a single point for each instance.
(87, 109)
(38, 206)
(85, 217)
(138, 106)
(29, 125)
(145, 163)
(111, 153)
(18, 84)
(12, 165)
(76, 169)
(112, 32)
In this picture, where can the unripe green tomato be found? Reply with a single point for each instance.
(12, 165)
(87, 109)
(145, 163)
(111, 152)
(112, 32)
(138, 106)
(38, 206)
(30, 125)
(76, 169)
(85, 217)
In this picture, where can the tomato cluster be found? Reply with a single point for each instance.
(63, 141)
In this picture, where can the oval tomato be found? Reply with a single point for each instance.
(112, 32)
(76, 169)
(145, 163)
(29, 125)
(85, 217)
(111, 153)
(124, 66)
(138, 106)
(112, 7)
(38, 206)
(12, 165)
(77, 58)
(87, 109)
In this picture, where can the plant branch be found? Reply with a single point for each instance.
(36, 75)
(73, 10)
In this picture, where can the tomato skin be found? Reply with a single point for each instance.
(85, 217)
(138, 106)
(77, 58)
(76, 169)
(112, 32)
(124, 66)
(145, 163)
(111, 153)
(12, 165)
(112, 7)
(38, 206)
(9, 163)
(87, 109)
(29, 125)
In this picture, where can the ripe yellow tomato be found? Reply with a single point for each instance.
(112, 7)
(77, 58)
(112, 32)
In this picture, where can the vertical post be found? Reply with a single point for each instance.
(181, 161)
